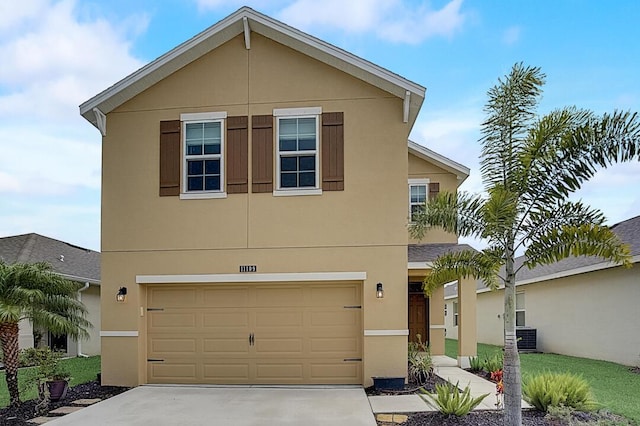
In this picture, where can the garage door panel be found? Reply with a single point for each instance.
(225, 320)
(334, 296)
(173, 297)
(348, 346)
(225, 371)
(280, 371)
(226, 347)
(279, 346)
(267, 296)
(259, 333)
(226, 297)
(277, 319)
(173, 372)
(339, 318)
(174, 346)
(168, 320)
(334, 372)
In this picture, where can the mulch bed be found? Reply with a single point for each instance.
(27, 410)
(409, 388)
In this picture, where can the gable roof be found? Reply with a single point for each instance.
(461, 171)
(72, 262)
(246, 20)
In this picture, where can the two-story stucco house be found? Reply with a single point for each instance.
(256, 190)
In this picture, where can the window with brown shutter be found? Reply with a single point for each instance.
(262, 153)
(434, 189)
(169, 158)
(237, 155)
(333, 151)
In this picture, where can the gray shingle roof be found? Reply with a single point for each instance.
(74, 262)
(430, 252)
(628, 231)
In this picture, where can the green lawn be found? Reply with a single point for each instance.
(82, 370)
(613, 385)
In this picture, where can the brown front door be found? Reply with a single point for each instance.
(418, 305)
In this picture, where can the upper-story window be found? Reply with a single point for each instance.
(203, 167)
(297, 149)
(418, 196)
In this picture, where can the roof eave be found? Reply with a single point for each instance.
(223, 31)
(461, 171)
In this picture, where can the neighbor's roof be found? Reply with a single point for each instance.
(628, 231)
(228, 28)
(430, 252)
(73, 262)
(461, 171)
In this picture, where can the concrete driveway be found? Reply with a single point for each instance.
(228, 405)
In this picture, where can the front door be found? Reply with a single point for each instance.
(418, 308)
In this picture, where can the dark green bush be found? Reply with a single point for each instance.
(555, 389)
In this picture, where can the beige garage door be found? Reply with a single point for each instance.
(258, 333)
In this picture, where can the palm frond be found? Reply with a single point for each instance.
(451, 266)
(460, 214)
(583, 240)
(510, 110)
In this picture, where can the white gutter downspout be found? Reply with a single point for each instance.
(80, 354)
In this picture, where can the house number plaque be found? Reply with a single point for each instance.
(248, 268)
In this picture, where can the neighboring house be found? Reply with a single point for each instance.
(255, 197)
(72, 262)
(580, 306)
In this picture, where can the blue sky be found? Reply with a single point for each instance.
(57, 54)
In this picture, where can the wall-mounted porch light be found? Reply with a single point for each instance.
(379, 291)
(121, 295)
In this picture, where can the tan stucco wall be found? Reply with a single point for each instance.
(362, 228)
(420, 169)
(91, 300)
(593, 315)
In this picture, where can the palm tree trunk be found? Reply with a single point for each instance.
(511, 369)
(9, 340)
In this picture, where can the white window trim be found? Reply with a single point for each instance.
(524, 309)
(314, 112)
(203, 117)
(417, 182)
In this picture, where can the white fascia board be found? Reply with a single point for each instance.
(80, 279)
(461, 171)
(251, 278)
(230, 27)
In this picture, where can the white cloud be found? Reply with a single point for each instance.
(55, 57)
(398, 21)
(511, 35)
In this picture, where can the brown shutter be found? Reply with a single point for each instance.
(333, 151)
(169, 158)
(434, 189)
(237, 155)
(262, 153)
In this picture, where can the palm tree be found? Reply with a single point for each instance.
(35, 292)
(530, 165)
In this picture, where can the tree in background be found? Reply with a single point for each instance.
(35, 292)
(530, 165)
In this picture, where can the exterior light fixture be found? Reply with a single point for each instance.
(121, 295)
(379, 291)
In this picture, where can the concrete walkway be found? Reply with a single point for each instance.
(447, 369)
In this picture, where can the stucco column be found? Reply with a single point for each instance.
(467, 334)
(436, 321)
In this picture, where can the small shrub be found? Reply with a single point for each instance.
(475, 364)
(554, 389)
(419, 361)
(449, 400)
(494, 363)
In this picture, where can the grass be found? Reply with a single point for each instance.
(82, 370)
(613, 385)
